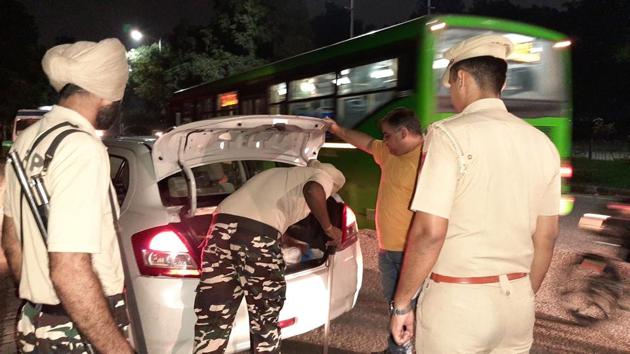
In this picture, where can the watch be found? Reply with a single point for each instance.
(393, 310)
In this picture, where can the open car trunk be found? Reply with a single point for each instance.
(307, 232)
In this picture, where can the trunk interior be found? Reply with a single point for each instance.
(307, 232)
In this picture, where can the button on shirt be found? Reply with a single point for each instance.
(395, 189)
(80, 216)
(491, 181)
(275, 197)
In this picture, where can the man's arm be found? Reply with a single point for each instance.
(82, 297)
(356, 138)
(424, 242)
(315, 197)
(12, 248)
(544, 240)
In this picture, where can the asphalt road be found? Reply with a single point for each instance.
(363, 330)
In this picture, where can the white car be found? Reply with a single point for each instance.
(168, 189)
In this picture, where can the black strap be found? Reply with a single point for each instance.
(45, 134)
(50, 153)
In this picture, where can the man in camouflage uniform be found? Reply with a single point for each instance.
(71, 275)
(242, 256)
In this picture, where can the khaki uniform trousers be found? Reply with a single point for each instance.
(476, 318)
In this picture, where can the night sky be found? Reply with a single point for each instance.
(98, 19)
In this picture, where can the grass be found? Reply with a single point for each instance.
(611, 174)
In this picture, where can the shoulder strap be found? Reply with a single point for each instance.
(50, 152)
(45, 134)
(461, 159)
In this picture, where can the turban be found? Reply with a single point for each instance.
(100, 68)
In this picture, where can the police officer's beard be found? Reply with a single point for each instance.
(106, 116)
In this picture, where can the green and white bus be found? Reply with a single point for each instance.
(359, 80)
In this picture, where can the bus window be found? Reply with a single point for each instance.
(252, 106)
(370, 77)
(316, 86)
(278, 93)
(187, 114)
(205, 108)
(535, 73)
(352, 109)
(314, 108)
(276, 109)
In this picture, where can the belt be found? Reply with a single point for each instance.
(474, 280)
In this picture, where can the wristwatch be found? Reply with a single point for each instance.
(393, 310)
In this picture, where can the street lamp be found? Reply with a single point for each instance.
(137, 36)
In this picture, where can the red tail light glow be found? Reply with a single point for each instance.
(167, 241)
(162, 251)
(350, 229)
(288, 322)
(566, 169)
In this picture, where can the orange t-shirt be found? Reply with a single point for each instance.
(396, 187)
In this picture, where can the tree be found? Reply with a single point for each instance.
(242, 35)
(332, 26)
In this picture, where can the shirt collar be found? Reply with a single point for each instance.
(485, 104)
(66, 114)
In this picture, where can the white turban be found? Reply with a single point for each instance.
(100, 68)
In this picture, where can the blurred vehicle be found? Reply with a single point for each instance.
(596, 285)
(23, 119)
(360, 80)
(169, 187)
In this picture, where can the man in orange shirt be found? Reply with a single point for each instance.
(398, 156)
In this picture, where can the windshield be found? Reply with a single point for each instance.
(536, 84)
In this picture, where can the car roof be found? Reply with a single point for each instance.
(130, 142)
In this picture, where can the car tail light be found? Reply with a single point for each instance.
(288, 322)
(162, 251)
(349, 228)
(566, 170)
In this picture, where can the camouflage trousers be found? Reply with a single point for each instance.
(242, 257)
(52, 331)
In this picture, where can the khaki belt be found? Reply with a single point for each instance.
(474, 280)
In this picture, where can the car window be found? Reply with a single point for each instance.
(119, 174)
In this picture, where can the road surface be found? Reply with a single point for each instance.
(363, 330)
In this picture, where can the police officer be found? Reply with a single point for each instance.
(72, 280)
(486, 217)
(242, 256)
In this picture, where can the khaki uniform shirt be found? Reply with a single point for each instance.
(274, 197)
(80, 216)
(491, 175)
(395, 189)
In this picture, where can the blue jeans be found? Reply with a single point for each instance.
(389, 264)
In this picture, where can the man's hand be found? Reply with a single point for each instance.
(335, 234)
(401, 327)
(354, 137)
(333, 127)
